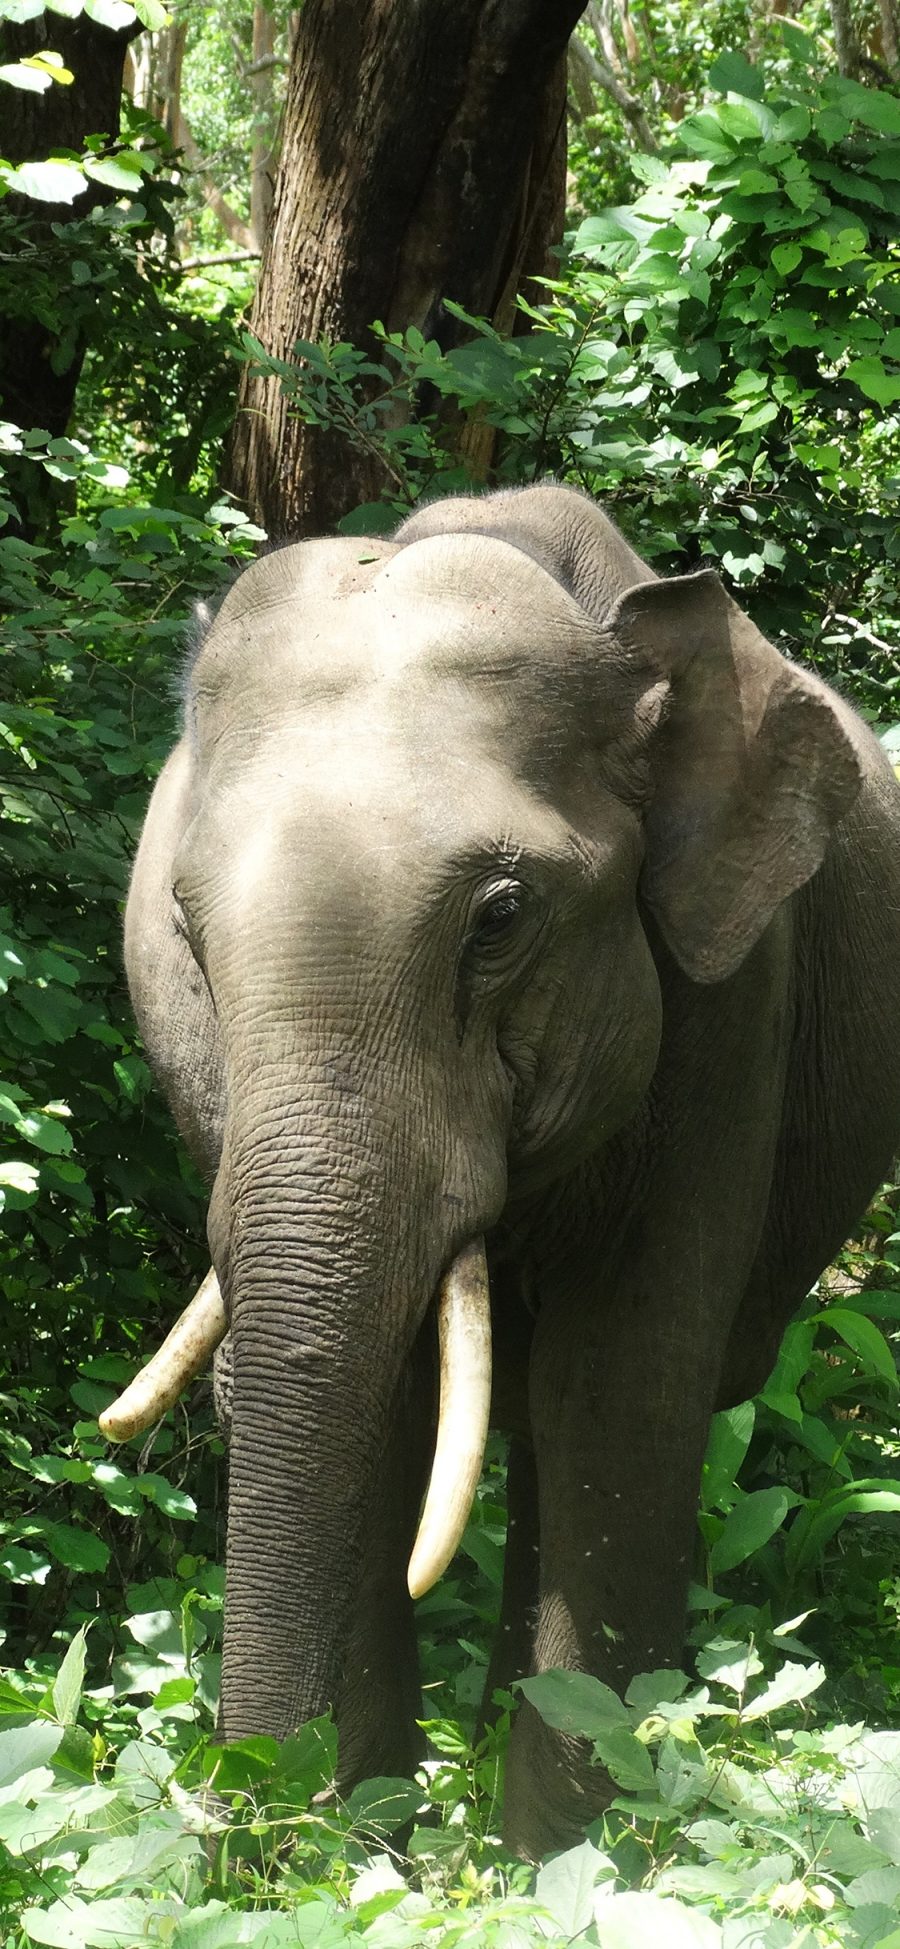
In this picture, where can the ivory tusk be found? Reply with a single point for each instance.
(183, 1353)
(464, 1325)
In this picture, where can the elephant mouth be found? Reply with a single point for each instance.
(464, 1329)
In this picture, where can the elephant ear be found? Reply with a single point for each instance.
(753, 770)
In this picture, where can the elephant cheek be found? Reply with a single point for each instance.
(597, 1058)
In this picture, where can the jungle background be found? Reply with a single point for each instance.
(690, 306)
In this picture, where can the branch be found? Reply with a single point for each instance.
(627, 104)
(219, 257)
(266, 61)
(232, 224)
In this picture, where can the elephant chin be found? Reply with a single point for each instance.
(464, 1326)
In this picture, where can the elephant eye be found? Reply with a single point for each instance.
(496, 920)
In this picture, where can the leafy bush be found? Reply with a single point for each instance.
(708, 366)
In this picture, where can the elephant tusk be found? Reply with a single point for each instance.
(464, 1325)
(194, 1337)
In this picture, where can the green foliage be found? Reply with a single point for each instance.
(101, 1216)
(718, 362)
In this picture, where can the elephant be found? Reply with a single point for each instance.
(515, 934)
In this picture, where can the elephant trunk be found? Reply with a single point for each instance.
(316, 1354)
(329, 1282)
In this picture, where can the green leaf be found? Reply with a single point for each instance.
(565, 1887)
(871, 106)
(19, 74)
(733, 74)
(791, 1684)
(380, 1806)
(786, 257)
(864, 1338)
(729, 1439)
(308, 1758)
(174, 1691)
(174, 1503)
(650, 1689)
(152, 14)
(574, 1702)
(871, 377)
(748, 1526)
(76, 1548)
(47, 182)
(110, 13)
(66, 1689)
(815, 1527)
(16, 1175)
(117, 172)
(74, 1924)
(626, 1759)
(24, 1747)
(728, 1663)
(639, 1921)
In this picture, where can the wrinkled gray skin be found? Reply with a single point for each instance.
(497, 886)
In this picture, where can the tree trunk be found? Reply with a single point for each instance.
(262, 74)
(422, 158)
(846, 39)
(41, 355)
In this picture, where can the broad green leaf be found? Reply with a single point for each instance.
(791, 1684)
(34, 80)
(786, 257)
(243, 1763)
(47, 182)
(872, 378)
(308, 1758)
(77, 1548)
(639, 1921)
(565, 1886)
(174, 1691)
(380, 1806)
(860, 1333)
(818, 1524)
(651, 1689)
(729, 1439)
(625, 1758)
(115, 172)
(174, 1503)
(24, 1747)
(733, 74)
(574, 1702)
(110, 13)
(117, 1923)
(18, 1176)
(871, 106)
(748, 1526)
(728, 1663)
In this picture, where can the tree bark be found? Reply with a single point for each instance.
(422, 158)
(261, 159)
(846, 40)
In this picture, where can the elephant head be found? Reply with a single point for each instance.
(441, 806)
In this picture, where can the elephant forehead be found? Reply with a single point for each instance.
(452, 604)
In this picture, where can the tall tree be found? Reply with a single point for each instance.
(40, 356)
(422, 158)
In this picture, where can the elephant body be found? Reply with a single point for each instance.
(497, 887)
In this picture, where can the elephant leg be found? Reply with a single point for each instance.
(511, 1655)
(621, 1405)
(380, 1699)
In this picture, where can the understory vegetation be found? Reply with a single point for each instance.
(718, 360)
